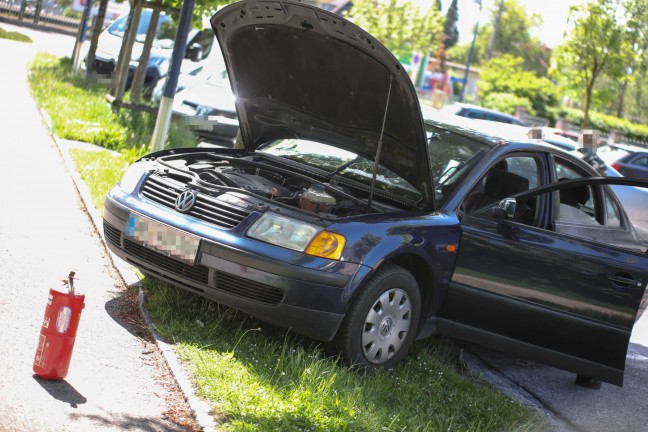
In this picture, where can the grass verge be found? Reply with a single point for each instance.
(79, 111)
(13, 35)
(91, 165)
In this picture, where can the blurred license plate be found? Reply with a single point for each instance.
(163, 238)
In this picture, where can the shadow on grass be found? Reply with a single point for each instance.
(273, 379)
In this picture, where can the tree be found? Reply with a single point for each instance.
(637, 13)
(597, 45)
(503, 80)
(450, 26)
(401, 25)
(514, 37)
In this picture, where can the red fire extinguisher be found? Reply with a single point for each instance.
(58, 332)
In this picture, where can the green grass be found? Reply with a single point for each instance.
(260, 378)
(101, 170)
(79, 111)
(16, 36)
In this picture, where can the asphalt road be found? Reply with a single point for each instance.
(571, 408)
(117, 379)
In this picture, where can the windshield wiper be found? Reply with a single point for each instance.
(344, 166)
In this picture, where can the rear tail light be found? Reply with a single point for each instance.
(616, 166)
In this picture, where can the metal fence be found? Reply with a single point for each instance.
(45, 13)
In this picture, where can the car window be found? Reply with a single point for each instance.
(575, 205)
(613, 211)
(641, 161)
(452, 157)
(164, 36)
(579, 205)
(505, 178)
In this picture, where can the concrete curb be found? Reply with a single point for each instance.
(201, 410)
(511, 389)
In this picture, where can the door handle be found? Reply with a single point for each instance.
(621, 280)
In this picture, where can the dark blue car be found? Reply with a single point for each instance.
(348, 219)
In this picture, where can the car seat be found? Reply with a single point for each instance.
(499, 184)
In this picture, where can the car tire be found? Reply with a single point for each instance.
(382, 322)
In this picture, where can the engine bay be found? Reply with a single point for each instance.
(307, 190)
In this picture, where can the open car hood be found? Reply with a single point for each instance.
(301, 72)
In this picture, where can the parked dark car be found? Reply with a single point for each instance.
(348, 219)
(481, 113)
(630, 161)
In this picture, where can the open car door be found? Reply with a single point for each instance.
(564, 292)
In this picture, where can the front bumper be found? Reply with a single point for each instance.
(107, 67)
(310, 301)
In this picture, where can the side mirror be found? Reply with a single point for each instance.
(194, 52)
(505, 209)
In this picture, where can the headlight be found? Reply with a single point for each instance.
(296, 235)
(133, 175)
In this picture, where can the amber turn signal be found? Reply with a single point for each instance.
(326, 245)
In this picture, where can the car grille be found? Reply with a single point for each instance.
(210, 209)
(112, 234)
(103, 67)
(198, 273)
(247, 289)
(224, 282)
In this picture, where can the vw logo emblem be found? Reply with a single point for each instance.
(386, 326)
(185, 200)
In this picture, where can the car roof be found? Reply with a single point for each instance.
(627, 147)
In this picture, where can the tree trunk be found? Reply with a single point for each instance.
(96, 31)
(37, 12)
(123, 63)
(639, 96)
(588, 101)
(498, 20)
(620, 103)
(142, 65)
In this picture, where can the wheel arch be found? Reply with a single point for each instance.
(424, 275)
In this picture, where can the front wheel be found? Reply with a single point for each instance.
(382, 322)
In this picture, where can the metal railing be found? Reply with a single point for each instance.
(45, 13)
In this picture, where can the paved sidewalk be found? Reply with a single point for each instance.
(118, 379)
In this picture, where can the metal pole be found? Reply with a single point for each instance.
(166, 103)
(81, 36)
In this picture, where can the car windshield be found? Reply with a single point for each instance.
(452, 157)
(164, 36)
(341, 163)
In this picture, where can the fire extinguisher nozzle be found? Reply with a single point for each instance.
(70, 281)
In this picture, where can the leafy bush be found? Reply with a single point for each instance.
(507, 103)
(70, 13)
(605, 123)
(505, 75)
